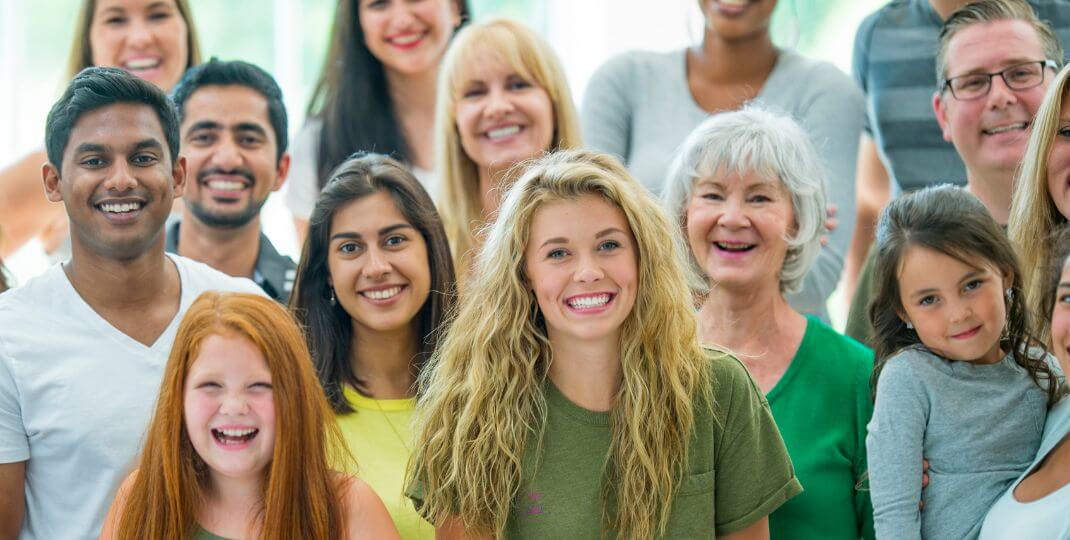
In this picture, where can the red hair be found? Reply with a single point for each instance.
(301, 496)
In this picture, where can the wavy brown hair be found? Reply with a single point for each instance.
(949, 220)
(302, 496)
(482, 397)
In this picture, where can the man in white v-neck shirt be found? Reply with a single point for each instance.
(82, 347)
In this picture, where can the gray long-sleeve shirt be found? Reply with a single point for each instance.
(978, 425)
(638, 107)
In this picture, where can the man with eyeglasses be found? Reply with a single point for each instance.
(901, 148)
(994, 62)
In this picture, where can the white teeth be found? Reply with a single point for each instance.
(503, 132)
(734, 2)
(119, 208)
(383, 294)
(1009, 127)
(226, 185)
(734, 246)
(236, 432)
(407, 40)
(143, 63)
(589, 301)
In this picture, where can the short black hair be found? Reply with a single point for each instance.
(236, 72)
(97, 87)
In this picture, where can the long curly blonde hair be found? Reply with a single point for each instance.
(1034, 216)
(481, 395)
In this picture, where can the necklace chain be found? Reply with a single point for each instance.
(392, 427)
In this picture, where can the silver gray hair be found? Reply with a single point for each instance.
(756, 140)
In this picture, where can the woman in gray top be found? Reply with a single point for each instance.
(959, 379)
(641, 105)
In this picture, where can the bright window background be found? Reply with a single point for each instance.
(289, 39)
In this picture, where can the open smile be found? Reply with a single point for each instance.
(1006, 128)
(226, 189)
(407, 41)
(234, 438)
(120, 210)
(384, 295)
(590, 303)
(503, 133)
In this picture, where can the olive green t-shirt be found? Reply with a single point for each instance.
(739, 470)
(200, 533)
(858, 324)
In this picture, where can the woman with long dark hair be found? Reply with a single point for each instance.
(372, 290)
(376, 92)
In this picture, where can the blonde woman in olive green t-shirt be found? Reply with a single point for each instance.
(570, 397)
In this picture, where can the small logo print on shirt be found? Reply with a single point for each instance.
(533, 505)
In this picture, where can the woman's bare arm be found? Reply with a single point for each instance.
(25, 213)
(759, 530)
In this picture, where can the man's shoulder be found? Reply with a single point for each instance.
(896, 14)
(198, 277)
(36, 293)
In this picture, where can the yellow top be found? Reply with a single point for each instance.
(379, 435)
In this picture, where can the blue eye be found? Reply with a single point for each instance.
(927, 301)
(609, 245)
(556, 254)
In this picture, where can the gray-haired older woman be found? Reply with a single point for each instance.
(748, 189)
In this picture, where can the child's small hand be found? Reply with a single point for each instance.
(924, 481)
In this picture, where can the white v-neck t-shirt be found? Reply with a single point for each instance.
(76, 396)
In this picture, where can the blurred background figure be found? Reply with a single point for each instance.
(503, 99)
(376, 91)
(155, 40)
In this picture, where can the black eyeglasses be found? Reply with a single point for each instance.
(1017, 77)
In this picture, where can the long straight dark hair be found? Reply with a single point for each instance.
(351, 97)
(329, 329)
(949, 220)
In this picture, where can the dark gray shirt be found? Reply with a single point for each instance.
(895, 66)
(274, 272)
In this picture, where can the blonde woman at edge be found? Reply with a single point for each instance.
(502, 99)
(1041, 200)
(570, 398)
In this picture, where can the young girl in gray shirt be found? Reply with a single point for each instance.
(959, 381)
